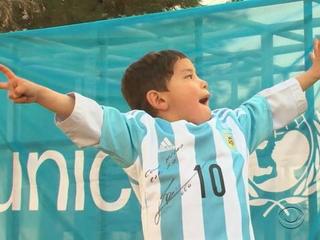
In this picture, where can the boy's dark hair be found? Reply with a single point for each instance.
(151, 72)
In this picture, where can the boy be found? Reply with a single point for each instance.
(186, 164)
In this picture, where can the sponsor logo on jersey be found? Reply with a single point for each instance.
(166, 145)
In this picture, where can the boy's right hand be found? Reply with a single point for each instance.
(19, 89)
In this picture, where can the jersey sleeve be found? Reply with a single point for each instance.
(83, 126)
(106, 128)
(286, 100)
(269, 110)
(122, 134)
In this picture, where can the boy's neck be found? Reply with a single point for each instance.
(168, 116)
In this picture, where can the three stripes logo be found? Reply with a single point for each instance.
(166, 145)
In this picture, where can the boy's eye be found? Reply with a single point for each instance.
(188, 76)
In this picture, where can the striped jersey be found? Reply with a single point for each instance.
(190, 180)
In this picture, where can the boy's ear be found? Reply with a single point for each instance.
(157, 100)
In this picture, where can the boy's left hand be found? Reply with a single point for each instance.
(312, 75)
(315, 59)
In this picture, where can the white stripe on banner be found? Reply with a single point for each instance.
(241, 146)
(231, 203)
(192, 218)
(134, 171)
(152, 191)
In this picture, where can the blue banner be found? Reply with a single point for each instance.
(52, 190)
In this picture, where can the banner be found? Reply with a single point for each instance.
(50, 189)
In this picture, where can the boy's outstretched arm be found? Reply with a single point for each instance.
(21, 90)
(309, 77)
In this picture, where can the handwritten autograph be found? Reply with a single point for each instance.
(168, 196)
(172, 190)
(170, 160)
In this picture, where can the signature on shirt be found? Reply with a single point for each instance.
(175, 187)
(170, 160)
(168, 195)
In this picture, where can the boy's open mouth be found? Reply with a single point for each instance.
(204, 100)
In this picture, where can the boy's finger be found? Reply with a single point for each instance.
(19, 90)
(13, 96)
(316, 47)
(4, 85)
(312, 56)
(22, 100)
(6, 71)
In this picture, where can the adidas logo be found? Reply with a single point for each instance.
(166, 145)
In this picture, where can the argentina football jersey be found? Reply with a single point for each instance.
(190, 180)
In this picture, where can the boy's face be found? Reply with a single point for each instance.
(188, 95)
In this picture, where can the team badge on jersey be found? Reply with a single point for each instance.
(229, 140)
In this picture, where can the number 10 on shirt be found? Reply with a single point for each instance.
(216, 177)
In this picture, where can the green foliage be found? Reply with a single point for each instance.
(118, 8)
(20, 14)
(14, 13)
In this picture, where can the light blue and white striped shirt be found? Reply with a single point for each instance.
(191, 180)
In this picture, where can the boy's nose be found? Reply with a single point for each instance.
(204, 84)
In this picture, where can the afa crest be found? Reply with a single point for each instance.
(228, 138)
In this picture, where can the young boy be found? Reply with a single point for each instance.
(186, 163)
